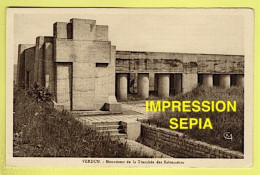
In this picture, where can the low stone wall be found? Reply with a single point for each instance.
(175, 144)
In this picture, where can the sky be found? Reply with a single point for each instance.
(164, 30)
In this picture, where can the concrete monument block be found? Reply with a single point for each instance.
(113, 108)
(83, 29)
(82, 51)
(132, 129)
(49, 66)
(39, 59)
(63, 84)
(21, 63)
(60, 30)
(101, 33)
(29, 67)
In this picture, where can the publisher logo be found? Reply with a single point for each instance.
(227, 136)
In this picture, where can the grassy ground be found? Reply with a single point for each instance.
(232, 122)
(41, 131)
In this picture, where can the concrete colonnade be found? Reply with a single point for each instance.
(224, 80)
(164, 83)
(172, 83)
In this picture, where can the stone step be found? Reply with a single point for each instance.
(105, 123)
(94, 113)
(119, 135)
(111, 131)
(106, 127)
(90, 113)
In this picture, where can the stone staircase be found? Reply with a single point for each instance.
(111, 128)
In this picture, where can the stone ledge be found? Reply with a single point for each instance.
(132, 128)
(187, 146)
(113, 107)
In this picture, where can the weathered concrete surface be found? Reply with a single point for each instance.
(63, 93)
(91, 84)
(49, 67)
(132, 129)
(93, 61)
(60, 30)
(177, 83)
(21, 64)
(224, 81)
(151, 81)
(143, 85)
(211, 63)
(113, 107)
(29, 68)
(133, 61)
(101, 33)
(164, 85)
(39, 59)
(122, 87)
(240, 80)
(189, 82)
(83, 29)
(207, 80)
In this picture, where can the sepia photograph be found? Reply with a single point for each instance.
(122, 87)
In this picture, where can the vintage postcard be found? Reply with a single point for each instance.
(125, 87)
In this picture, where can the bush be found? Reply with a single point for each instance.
(40, 93)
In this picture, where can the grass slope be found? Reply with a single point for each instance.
(41, 131)
(232, 122)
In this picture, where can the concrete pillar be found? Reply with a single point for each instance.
(49, 66)
(224, 81)
(143, 86)
(207, 80)
(122, 87)
(47, 81)
(21, 64)
(177, 83)
(189, 81)
(164, 85)
(38, 59)
(240, 80)
(132, 86)
(156, 82)
(151, 81)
